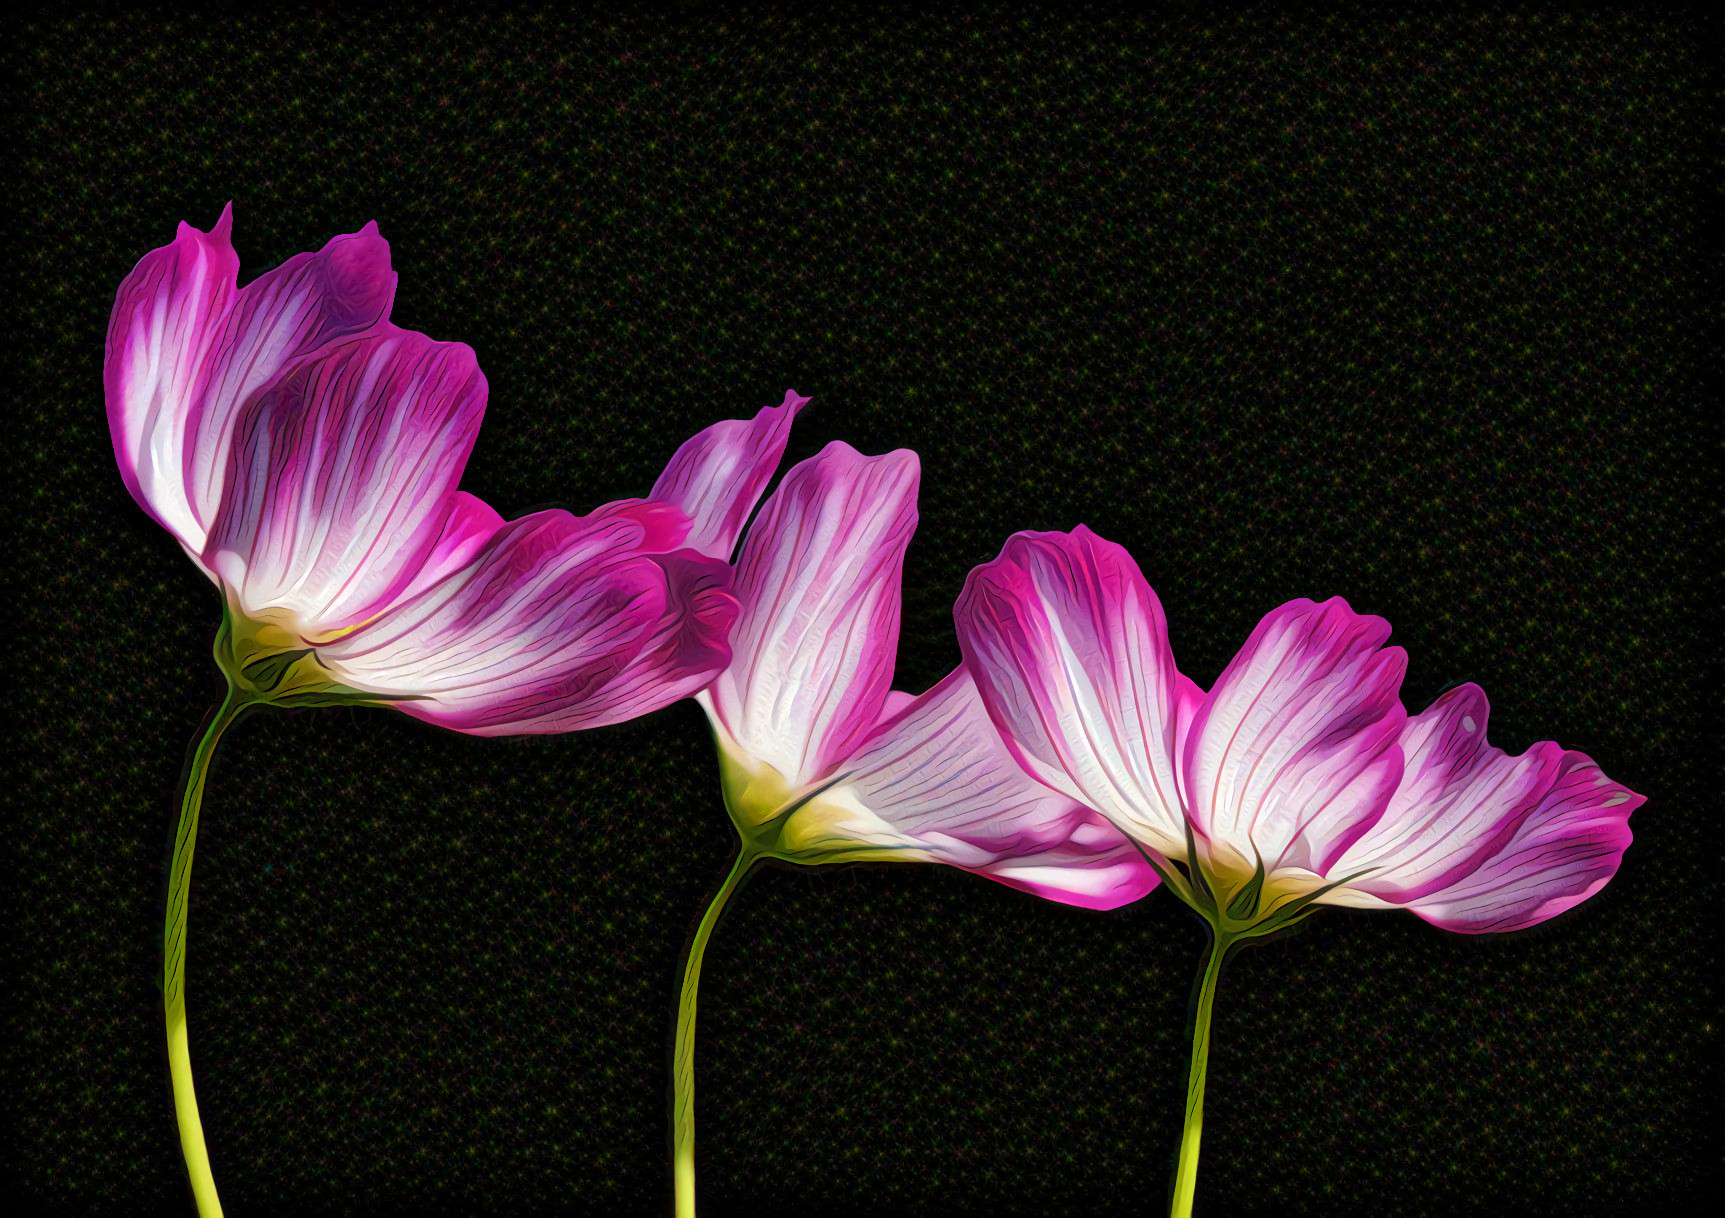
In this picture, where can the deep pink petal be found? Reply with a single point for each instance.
(557, 623)
(470, 523)
(341, 477)
(939, 779)
(1292, 756)
(186, 349)
(286, 315)
(718, 475)
(819, 580)
(168, 315)
(1559, 854)
(1070, 652)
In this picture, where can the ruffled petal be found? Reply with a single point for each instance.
(342, 475)
(557, 623)
(937, 779)
(341, 292)
(1475, 840)
(1560, 853)
(186, 349)
(1458, 800)
(717, 476)
(819, 583)
(1292, 756)
(1070, 652)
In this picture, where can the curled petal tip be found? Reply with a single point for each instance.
(716, 477)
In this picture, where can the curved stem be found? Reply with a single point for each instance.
(1186, 1176)
(174, 957)
(683, 1084)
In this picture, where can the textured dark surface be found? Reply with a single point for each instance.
(1409, 312)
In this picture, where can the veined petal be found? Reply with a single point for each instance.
(1476, 840)
(819, 582)
(937, 779)
(717, 476)
(468, 525)
(1069, 648)
(1559, 854)
(168, 315)
(557, 623)
(186, 350)
(341, 477)
(312, 300)
(1458, 800)
(1292, 756)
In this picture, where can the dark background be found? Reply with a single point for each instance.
(1406, 310)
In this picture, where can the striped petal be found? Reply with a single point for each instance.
(819, 582)
(341, 478)
(186, 349)
(1070, 652)
(1292, 757)
(937, 779)
(1476, 840)
(1559, 854)
(717, 476)
(556, 623)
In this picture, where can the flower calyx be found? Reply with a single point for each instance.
(1238, 904)
(808, 827)
(266, 661)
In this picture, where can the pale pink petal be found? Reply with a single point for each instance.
(1458, 799)
(1559, 854)
(718, 475)
(1292, 756)
(1069, 648)
(557, 623)
(937, 779)
(341, 477)
(168, 314)
(818, 580)
(1475, 840)
(186, 349)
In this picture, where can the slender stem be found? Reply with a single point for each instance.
(1186, 1177)
(683, 1085)
(174, 958)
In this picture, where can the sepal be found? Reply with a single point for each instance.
(266, 662)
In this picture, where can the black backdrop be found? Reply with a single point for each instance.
(1408, 311)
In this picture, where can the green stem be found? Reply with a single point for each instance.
(683, 1084)
(174, 957)
(1186, 1176)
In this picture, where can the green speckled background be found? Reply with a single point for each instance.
(1407, 311)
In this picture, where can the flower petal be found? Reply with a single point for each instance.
(1457, 801)
(1292, 755)
(186, 349)
(818, 580)
(1562, 852)
(941, 781)
(342, 474)
(341, 292)
(1070, 652)
(557, 623)
(717, 476)
(1476, 840)
(168, 314)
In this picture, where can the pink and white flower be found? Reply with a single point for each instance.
(305, 452)
(1298, 777)
(822, 762)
